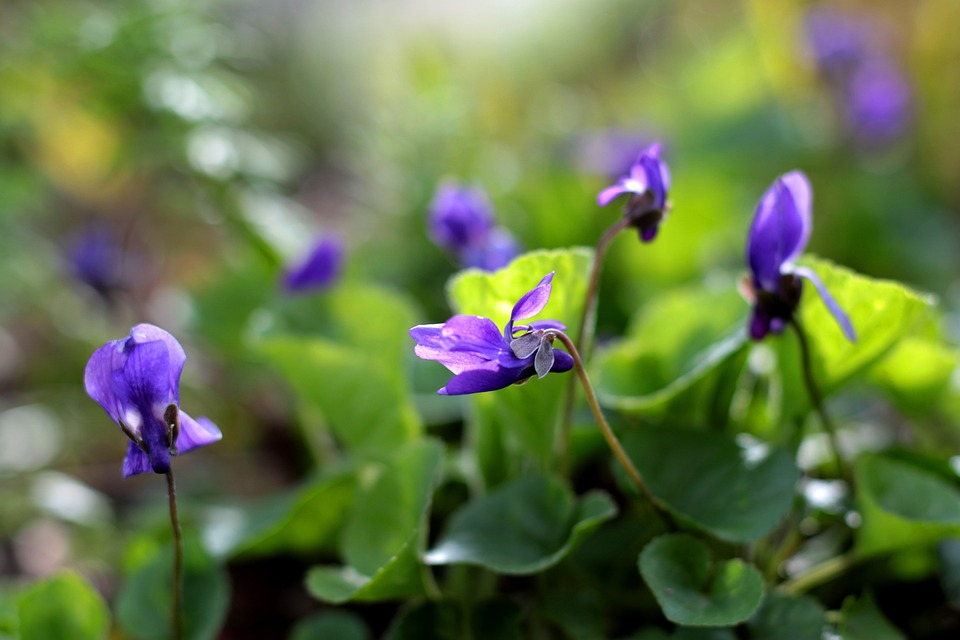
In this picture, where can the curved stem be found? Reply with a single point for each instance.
(588, 317)
(177, 559)
(818, 575)
(612, 441)
(815, 398)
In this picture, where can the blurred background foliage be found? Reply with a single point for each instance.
(209, 143)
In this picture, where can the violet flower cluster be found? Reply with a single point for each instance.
(484, 359)
(462, 223)
(647, 182)
(873, 95)
(318, 270)
(779, 232)
(137, 382)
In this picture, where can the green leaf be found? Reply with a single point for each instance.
(788, 618)
(681, 355)
(948, 553)
(330, 625)
(523, 527)
(693, 591)
(303, 520)
(144, 601)
(882, 313)
(351, 367)
(63, 606)
(383, 537)
(354, 374)
(902, 505)
(526, 416)
(917, 373)
(735, 494)
(861, 620)
(496, 619)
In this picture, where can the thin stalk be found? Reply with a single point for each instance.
(588, 317)
(177, 559)
(815, 398)
(818, 575)
(612, 441)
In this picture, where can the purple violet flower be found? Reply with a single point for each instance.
(462, 222)
(137, 382)
(878, 102)
(461, 218)
(648, 182)
(838, 40)
(319, 270)
(482, 358)
(780, 231)
(94, 257)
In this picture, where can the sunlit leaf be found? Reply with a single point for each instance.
(692, 590)
(903, 505)
(524, 416)
(681, 355)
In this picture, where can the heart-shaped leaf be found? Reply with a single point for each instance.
(737, 494)
(862, 620)
(523, 527)
(692, 590)
(788, 618)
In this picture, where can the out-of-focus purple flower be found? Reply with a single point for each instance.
(484, 359)
(497, 251)
(319, 269)
(648, 183)
(94, 258)
(878, 104)
(462, 222)
(461, 218)
(837, 40)
(137, 382)
(779, 233)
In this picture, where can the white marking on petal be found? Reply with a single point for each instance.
(133, 420)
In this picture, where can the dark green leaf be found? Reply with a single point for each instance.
(429, 621)
(523, 527)
(692, 590)
(736, 494)
(788, 618)
(144, 601)
(331, 625)
(861, 620)
(63, 606)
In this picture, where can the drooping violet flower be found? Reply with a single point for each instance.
(319, 269)
(137, 382)
(94, 258)
(648, 183)
(780, 231)
(484, 359)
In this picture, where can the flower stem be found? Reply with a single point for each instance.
(818, 574)
(612, 441)
(815, 398)
(177, 559)
(588, 317)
